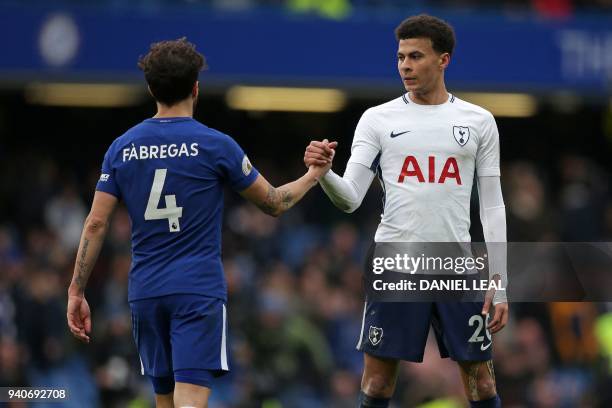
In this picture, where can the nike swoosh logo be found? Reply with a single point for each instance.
(398, 134)
(483, 347)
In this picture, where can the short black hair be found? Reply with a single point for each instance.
(171, 69)
(440, 33)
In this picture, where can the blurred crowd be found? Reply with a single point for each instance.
(295, 300)
(339, 9)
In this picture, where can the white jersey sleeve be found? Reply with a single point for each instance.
(366, 142)
(493, 218)
(347, 192)
(487, 156)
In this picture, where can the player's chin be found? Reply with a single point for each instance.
(410, 87)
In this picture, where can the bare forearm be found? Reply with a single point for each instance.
(89, 249)
(280, 199)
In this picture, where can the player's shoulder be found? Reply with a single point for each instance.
(215, 137)
(385, 108)
(215, 134)
(392, 105)
(472, 108)
(128, 137)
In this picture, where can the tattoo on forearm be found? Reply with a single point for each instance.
(275, 199)
(286, 199)
(82, 267)
(268, 205)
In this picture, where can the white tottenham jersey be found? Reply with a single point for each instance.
(425, 157)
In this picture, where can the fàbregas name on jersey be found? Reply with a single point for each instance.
(159, 151)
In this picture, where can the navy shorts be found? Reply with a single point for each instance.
(180, 338)
(399, 330)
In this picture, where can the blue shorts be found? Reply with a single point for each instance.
(180, 338)
(399, 330)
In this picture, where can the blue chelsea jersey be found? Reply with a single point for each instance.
(170, 173)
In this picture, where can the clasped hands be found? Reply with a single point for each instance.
(320, 154)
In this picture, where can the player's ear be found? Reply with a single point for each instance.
(196, 89)
(444, 60)
(150, 92)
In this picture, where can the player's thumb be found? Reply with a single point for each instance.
(72, 323)
(333, 145)
(73, 320)
(486, 306)
(87, 324)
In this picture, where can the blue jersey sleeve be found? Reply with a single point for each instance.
(236, 166)
(107, 181)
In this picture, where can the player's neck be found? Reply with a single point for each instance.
(437, 97)
(179, 110)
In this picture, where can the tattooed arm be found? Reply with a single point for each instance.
(94, 231)
(276, 200)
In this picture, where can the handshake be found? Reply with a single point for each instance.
(318, 157)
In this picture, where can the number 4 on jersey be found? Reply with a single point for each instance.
(171, 212)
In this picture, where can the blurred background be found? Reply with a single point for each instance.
(282, 73)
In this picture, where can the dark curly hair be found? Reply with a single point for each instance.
(171, 69)
(440, 33)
